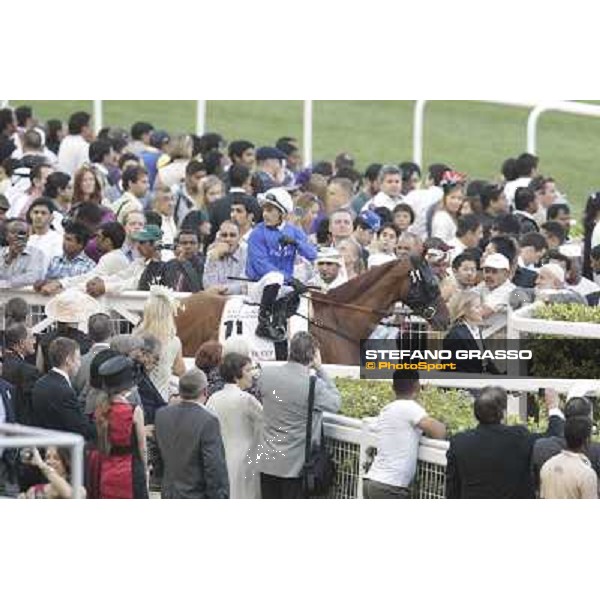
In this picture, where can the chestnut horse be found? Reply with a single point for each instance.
(341, 318)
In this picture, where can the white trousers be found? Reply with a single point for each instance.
(255, 289)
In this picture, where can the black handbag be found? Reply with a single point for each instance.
(318, 473)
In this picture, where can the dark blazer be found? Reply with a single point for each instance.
(150, 398)
(459, 338)
(6, 395)
(191, 452)
(22, 375)
(526, 224)
(220, 211)
(524, 278)
(10, 455)
(44, 341)
(493, 461)
(55, 406)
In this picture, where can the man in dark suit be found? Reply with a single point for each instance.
(55, 404)
(493, 460)
(8, 456)
(220, 210)
(20, 343)
(190, 444)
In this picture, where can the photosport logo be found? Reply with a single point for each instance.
(381, 358)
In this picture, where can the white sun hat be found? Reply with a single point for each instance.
(72, 306)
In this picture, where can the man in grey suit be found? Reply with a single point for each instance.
(284, 391)
(190, 444)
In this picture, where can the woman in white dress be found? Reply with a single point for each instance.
(159, 320)
(240, 417)
(443, 225)
(174, 172)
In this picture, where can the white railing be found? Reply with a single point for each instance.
(352, 443)
(538, 108)
(573, 108)
(522, 322)
(307, 115)
(19, 436)
(129, 305)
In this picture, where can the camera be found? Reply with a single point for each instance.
(26, 455)
(166, 246)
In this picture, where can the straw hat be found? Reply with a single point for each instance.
(72, 306)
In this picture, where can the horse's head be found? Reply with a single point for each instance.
(424, 296)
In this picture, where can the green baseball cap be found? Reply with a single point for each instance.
(150, 233)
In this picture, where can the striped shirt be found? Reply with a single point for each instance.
(62, 266)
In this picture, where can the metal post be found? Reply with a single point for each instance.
(200, 117)
(77, 468)
(532, 122)
(418, 131)
(307, 133)
(98, 114)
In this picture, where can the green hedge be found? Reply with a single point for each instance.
(362, 398)
(568, 358)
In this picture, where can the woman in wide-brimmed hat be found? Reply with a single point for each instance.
(68, 310)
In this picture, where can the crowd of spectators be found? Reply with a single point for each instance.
(89, 213)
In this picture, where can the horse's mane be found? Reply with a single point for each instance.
(347, 292)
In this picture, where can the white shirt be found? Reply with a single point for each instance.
(18, 205)
(379, 258)
(109, 264)
(169, 230)
(584, 287)
(173, 173)
(73, 153)
(51, 244)
(398, 438)
(457, 248)
(510, 187)
(124, 205)
(596, 235)
(381, 200)
(420, 201)
(443, 226)
(497, 300)
(317, 281)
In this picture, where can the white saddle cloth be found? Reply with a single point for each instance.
(241, 318)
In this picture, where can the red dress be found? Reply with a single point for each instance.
(122, 471)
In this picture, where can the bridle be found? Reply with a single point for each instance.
(420, 277)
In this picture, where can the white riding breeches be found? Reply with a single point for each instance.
(255, 289)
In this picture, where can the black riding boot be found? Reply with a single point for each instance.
(266, 328)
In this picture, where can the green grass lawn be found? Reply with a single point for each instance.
(473, 137)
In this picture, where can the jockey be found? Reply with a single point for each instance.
(272, 248)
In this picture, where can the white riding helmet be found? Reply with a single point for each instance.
(278, 197)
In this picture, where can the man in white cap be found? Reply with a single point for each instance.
(495, 291)
(330, 267)
(272, 248)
